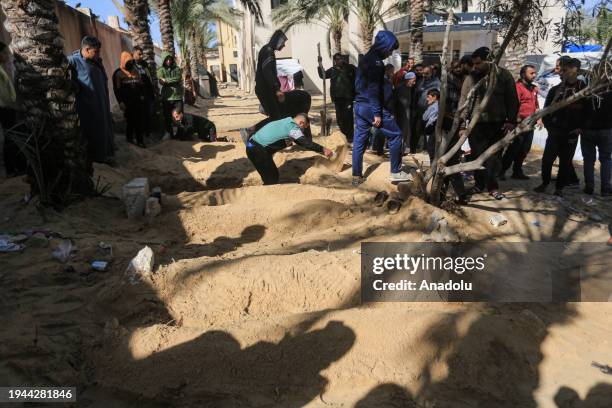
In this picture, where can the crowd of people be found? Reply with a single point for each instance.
(377, 106)
(137, 93)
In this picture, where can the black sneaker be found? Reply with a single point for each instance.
(558, 193)
(589, 190)
(541, 188)
(573, 184)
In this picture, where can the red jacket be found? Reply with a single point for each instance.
(528, 100)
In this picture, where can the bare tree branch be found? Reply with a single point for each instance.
(526, 125)
(440, 140)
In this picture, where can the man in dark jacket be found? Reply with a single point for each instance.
(405, 107)
(267, 85)
(497, 118)
(188, 127)
(564, 127)
(150, 88)
(92, 100)
(597, 138)
(342, 90)
(371, 109)
(170, 77)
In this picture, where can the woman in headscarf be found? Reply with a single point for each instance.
(130, 93)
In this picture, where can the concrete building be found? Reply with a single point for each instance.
(475, 29)
(224, 61)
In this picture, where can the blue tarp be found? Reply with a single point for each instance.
(571, 47)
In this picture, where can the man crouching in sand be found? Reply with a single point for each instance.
(275, 136)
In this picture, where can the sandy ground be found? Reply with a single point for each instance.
(254, 301)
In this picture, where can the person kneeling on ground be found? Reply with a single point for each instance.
(274, 137)
(188, 127)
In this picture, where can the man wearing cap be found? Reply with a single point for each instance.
(404, 92)
(92, 100)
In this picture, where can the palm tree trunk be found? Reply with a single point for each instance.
(367, 34)
(417, 17)
(165, 25)
(138, 21)
(48, 98)
(337, 34)
(193, 55)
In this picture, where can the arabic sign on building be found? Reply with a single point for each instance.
(435, 23)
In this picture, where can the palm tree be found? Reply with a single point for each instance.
(191, 19)
(165, 25)
(417, 19)
(48, 98)
(333, 14)
(372, 13)
(164, 10)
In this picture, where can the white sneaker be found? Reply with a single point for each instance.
(401, 176)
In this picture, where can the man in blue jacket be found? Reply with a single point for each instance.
(374, 107)
(92, 100)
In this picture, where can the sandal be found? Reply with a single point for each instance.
(393, 206)
(380, 198)
(497, 195)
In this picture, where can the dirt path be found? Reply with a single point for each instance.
(255, 297)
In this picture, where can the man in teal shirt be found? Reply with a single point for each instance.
(272, 138)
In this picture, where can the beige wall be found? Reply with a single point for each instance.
(227, 45)
(74, 25)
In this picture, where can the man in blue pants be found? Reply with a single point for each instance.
(373, 107)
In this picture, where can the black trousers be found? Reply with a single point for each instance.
(483, 136)
(417, 129)
(517, 152)
(14, 160)
(562, 145)
(135, 120)
(345, 116)
(168, 107)
(263, 161)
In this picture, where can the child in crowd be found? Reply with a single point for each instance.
(430, 118)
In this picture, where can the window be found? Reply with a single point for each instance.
(276, 3)
(235, 54)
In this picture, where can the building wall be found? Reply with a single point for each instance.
(73, 25)
(227, 45)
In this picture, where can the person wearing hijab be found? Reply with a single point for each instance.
(130, 91)
(267, 84)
